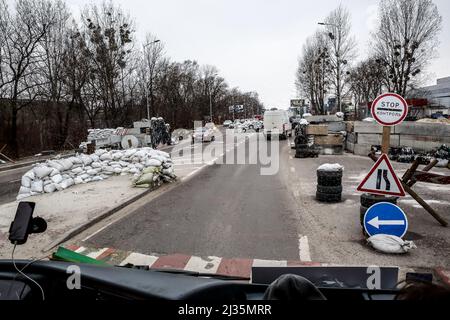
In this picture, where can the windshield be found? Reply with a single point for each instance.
(217, 137)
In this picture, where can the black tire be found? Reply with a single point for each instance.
(213, 139)
(328, 197)
(329, 181)
(329, 174)
(301, 155)
(301, 146)
(329, 189)
(368, 200)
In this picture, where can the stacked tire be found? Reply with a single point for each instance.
(368, 200)
(329, 186)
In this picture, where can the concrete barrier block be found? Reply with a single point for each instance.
(423, 129)
(362, 149)
(375, 139)
(368, 127)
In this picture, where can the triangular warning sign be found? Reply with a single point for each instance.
(382, 180)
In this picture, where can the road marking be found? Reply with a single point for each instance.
(303, 249)
(14, 181)
(203, 265)
(192, 173)
(80, 250)
(98, 231)
(139, 259)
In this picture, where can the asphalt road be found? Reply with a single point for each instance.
(10, 184)
(225, 210)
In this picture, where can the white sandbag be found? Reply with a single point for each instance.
(95, 158)
(24, 190)
(47, 182)
(126, 170)
(85, 176)
(442, 163)
(86, 159)
(54, 172)
(26, 182)
(159, 158)
(105, 156)
(108, 169)
(58, 187)
(129, 153)
(78, 180)
(55, 165)
(114, 163)
(93, 172)
(123, 163)
(139, 166)
(134, 171)
(65, 176)
(117, 170)
(37, 186)
(30, 174)
(97, 178)
(66, 163)
(100, 152)
(390, 244)
(77, 170)
(75, 160)
(67, 183)
(117, 156)
(57, 179)
(141, 154)
(104, 176)
(50, 188)
(96, 165)
(41, 171)
(153, 163)
(87, 180)
(23, 196)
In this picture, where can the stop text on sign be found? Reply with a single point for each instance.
(389, 109)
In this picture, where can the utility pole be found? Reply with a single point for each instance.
(210, 106)
(145, 84)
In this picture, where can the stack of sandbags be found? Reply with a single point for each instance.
(57, 175)
(95, 134)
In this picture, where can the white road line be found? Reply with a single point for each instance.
(303, 249)
(98, 231)
(192, 173)
(269, 263)
(139, 259)
(203, 265)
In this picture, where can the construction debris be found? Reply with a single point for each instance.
(58, 175)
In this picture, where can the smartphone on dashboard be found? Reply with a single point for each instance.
(20, 227)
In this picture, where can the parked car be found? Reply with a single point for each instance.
(211, 126)
(227, 123)
(203, 135)
(277, 123)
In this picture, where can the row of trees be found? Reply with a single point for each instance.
(59, 76)
(403, 44)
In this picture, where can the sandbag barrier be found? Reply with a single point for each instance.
(150, 167)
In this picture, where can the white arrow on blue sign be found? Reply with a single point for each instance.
(385, 218)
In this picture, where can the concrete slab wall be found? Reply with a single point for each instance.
(420, 136)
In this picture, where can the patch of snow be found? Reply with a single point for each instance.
(331, 167)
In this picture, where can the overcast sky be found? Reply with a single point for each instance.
(255, 44)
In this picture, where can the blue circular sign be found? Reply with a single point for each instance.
(385, 218)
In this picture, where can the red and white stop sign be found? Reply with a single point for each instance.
(389, 109)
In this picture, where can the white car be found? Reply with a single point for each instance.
(227, 123)
(203, 135)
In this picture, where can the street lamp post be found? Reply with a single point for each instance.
(145, 84)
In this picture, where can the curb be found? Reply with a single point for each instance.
(229, 267)
(29, 163)
(74, 232)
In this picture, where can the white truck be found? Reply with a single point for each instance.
(277, 123)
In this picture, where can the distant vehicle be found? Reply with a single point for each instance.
(227, 123)
(277, 123)
(259, 117)
(203, 135)
(211, 125)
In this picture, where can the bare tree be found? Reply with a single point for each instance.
(312, 71)
(21, 33)
(342, 50)
(406, 40)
